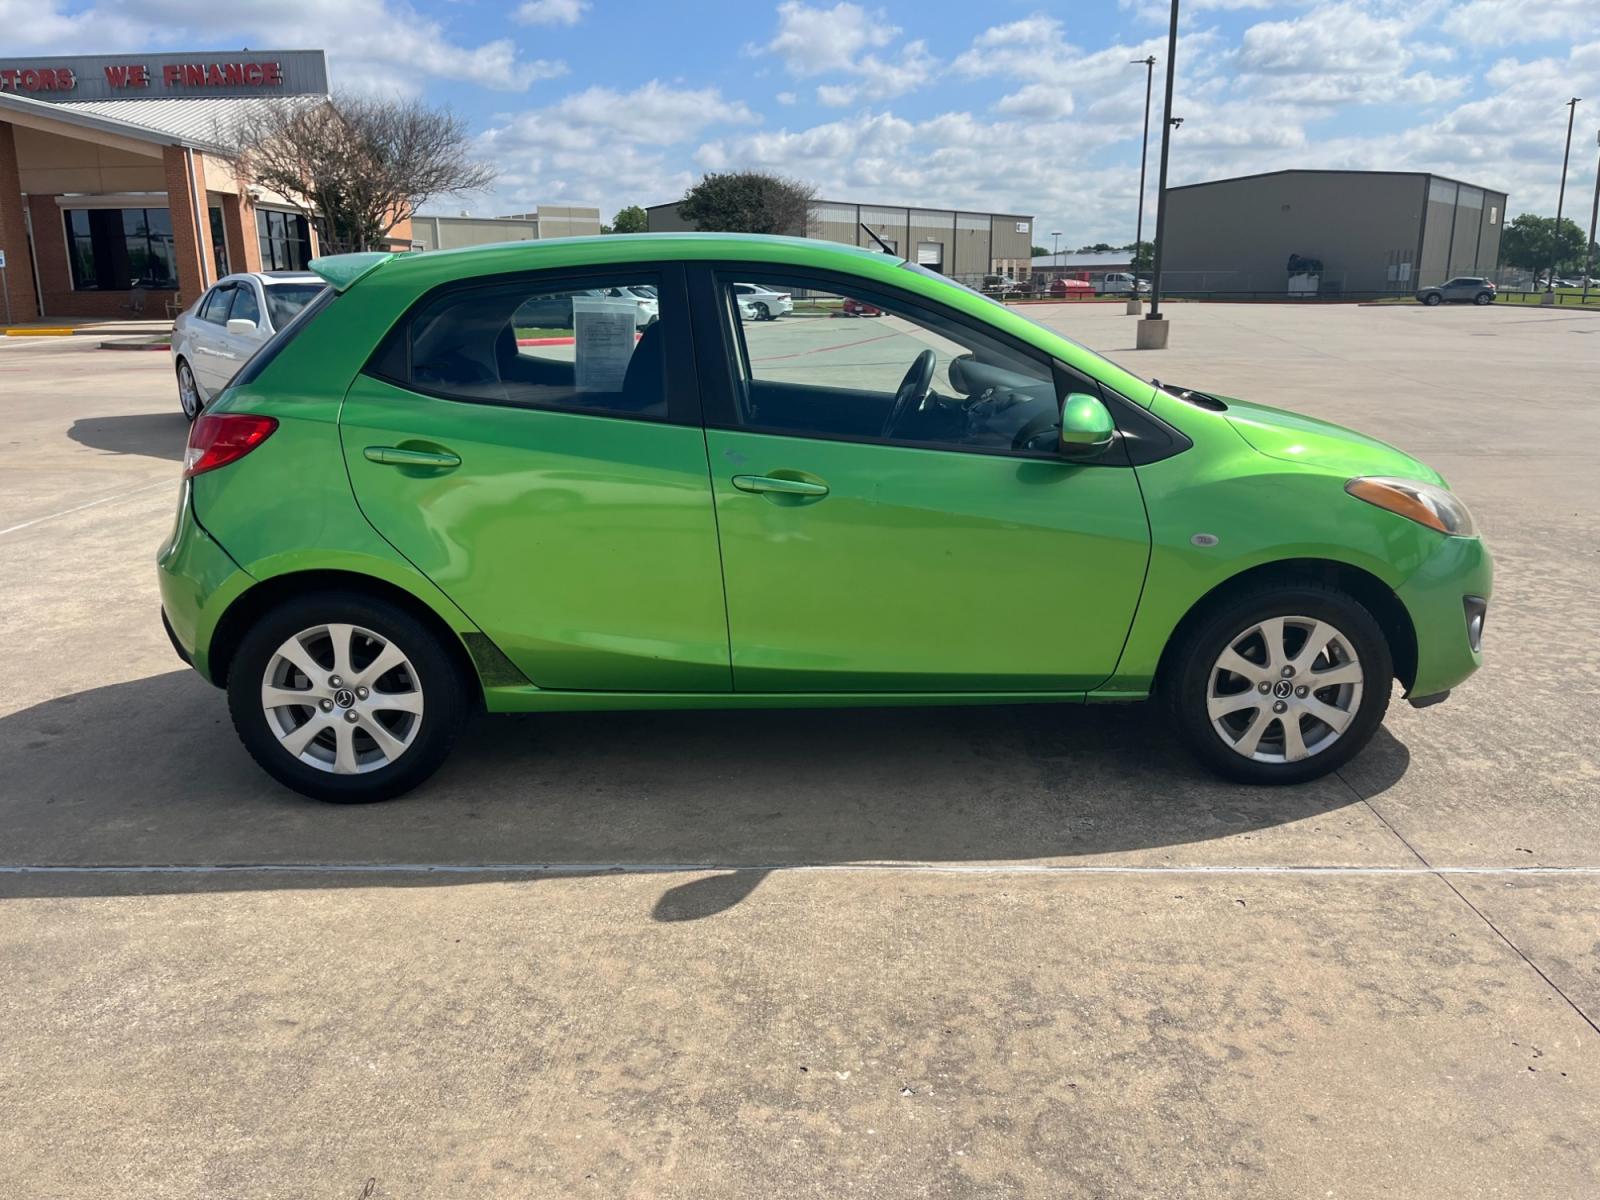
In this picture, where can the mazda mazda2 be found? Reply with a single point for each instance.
(473, 479)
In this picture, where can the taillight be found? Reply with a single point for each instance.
(217, 439)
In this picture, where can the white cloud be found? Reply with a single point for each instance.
(787, 98)
(1046, 101)
(814, 41)
(1504, 22)
(551, 12)
(1032, 48)
(877, 79)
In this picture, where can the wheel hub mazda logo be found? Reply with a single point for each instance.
(344, 698)
(1283, 689)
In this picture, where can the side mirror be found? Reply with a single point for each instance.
(241, 326)
(1086, 426)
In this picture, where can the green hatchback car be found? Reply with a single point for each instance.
(486, 478)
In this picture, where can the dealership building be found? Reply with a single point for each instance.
(964, 245)
(1373, 232)
(116, 200)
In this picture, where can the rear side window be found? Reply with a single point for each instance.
(595, 349)
(284, 300)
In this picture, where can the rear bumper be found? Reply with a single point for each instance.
(1436, 599)
(198, 580)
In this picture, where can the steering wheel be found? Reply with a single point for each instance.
(913, 391)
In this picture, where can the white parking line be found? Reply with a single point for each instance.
(325, 868)
(67, 512)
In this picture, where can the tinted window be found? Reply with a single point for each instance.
(284, 300)
(597, 349)
(245, 307)
(214, 308)
(876, 368)
(262, 358)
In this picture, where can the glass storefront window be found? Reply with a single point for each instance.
(115, 249)
(285, 240)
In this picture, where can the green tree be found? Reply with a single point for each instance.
(1039, 251)
(630, 220)
(748, 202)
(1535, 244)
(1097, 248)
(1144, 256)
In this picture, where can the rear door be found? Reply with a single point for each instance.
(543, 463)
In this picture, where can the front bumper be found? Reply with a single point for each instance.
(1435, 597)
(198, 580)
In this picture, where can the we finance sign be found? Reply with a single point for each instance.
(207, 73)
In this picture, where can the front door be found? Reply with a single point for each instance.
(205, 339)
(893, 516)
(541, 460)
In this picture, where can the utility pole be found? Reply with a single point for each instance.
(1594, 211)
(1055, 243)
(1561, 199)
(1152, 333)
(1149, 65)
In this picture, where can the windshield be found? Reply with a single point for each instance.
(285, 300)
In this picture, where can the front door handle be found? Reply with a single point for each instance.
(399, 456)
(783, 487)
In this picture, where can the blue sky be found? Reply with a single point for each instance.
(1004, 105)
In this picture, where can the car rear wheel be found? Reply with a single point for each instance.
(1281, 685)
(188, 391)
(1483, 298)
(763, 313)
(1433, 298)
(345, 699)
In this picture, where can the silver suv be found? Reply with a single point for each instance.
(1462, 289)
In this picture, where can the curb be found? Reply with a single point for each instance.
(38, 332)
(133, 345)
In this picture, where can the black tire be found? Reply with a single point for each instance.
(1433, 298)
(1187, 679)
(187, 387)
(1483, 298)
(763, 313)
(446, 698)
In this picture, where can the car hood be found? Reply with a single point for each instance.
(1292, 437)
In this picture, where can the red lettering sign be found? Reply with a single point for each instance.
(170, 74)
(252, 73)
(139, 75)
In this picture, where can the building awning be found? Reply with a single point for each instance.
(200, 123)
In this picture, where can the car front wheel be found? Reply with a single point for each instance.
(1433, 298)
(345, 699)
(188, 391)
(1281, 685)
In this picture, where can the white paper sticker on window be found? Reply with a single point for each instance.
(604, 341)
(1022, 227)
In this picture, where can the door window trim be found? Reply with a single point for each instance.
(713, 325)
(679, 366)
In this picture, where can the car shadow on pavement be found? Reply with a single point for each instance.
(149, 773)
(154, 435)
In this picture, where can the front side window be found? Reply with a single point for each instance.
(214, 308)
(870, 367)
(594, 349)
(116, 249)
(245, 307)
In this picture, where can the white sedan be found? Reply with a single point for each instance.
(764, 303)
(217, 334)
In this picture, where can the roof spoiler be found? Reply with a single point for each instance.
(342, 270)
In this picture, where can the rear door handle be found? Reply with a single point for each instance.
(399, 456)
(783, 487)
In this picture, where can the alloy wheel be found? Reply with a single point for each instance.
(188, 391)
(342, 699)
(1284, 689)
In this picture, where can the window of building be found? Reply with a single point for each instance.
(115, 249)
(219, 242)
(596, 349)
(285, 240)
(889, 371)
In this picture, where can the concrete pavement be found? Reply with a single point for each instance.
(1038, 952)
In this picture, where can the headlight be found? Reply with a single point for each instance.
(1426, 504)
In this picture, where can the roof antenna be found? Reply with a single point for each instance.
(883, 245)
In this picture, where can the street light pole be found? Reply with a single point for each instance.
(1594, 211)
(1055, 242)
(1152, 334)
(1561, 199)
(1149, 64)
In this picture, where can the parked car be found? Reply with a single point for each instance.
(859, 308)
(1463, 289)
(1071, 289)
(554, 312)
(395, 516)
(766, 304)
(231, 320)
(1119, 283)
